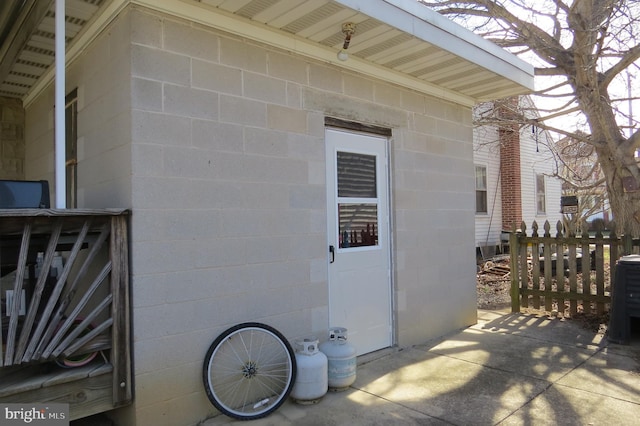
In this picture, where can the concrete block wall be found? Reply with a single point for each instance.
(12, 143)
(216, 143)
(229, 209)
(228, 213)
(434, 183)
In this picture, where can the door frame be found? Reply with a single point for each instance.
(336, 124)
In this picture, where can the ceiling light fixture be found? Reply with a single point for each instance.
(348, 28)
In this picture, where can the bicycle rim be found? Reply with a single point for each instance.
(249, 371)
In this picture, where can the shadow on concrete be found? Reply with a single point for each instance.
(508, 369)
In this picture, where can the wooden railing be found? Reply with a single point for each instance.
(65, 304)
(566, 272)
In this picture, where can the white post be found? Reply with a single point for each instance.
(60, 172)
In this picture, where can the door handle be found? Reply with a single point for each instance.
(332, 250)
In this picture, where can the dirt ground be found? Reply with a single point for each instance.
(493, 285)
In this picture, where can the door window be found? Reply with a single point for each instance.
(357, 199)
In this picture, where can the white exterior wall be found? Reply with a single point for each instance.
(487, 153)
(219, 151)
(533, 162)
(534, 159)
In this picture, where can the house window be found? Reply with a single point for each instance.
(481, 189)
(71, 148)
(541, 203)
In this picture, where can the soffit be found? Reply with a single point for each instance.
(397, 40)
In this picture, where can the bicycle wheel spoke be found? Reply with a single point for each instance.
(249, 371)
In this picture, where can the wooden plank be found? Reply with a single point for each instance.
(22, 380)
(76, 311)
(72, 382)
(17, 292)
(600, 276)
(84, 325)
(569, 295)
(84, 340)
(121, 330)
(524, 273)
(579, 283)
(66, 375)
(535, 264)
(28, 213)
(616, 250)
(560, 267)
(548, 272)
(32, 310)
(70, 291)
(573, 278)
(585, 268)
(88, 396)
(513, 262)
(37, 376)
(55, 294)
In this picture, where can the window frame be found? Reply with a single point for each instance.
(541, 196)
(71, 148)
(482, 190)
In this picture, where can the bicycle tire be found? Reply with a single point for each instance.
(249, 371)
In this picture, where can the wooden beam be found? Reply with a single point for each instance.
(121, 330)
(31, 14)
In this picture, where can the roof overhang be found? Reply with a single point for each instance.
(399, 41)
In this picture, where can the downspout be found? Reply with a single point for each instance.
(60, 130)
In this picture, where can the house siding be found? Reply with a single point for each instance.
(487, 153)
(521, 162)
(219, 152)
(537, 159)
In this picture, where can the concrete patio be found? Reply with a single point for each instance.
(508, 369)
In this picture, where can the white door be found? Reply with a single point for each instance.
(358, 238)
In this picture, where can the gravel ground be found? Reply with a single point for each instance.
(493, 284)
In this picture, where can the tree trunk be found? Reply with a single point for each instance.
(624, 194)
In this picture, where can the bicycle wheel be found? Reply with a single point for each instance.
(249, 371)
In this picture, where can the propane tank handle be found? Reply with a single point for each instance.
(309, 346)
(338, 334)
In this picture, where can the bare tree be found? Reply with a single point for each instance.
(585, 54)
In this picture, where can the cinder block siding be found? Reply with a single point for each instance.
(228, 217)
(229, 220)
(12, 143)
(226, 181)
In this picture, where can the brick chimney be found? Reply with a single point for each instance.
(510, 179)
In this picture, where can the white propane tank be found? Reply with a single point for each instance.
(342, 359)
(312, 373)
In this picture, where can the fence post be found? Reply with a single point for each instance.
(627, 244)
(514, 250)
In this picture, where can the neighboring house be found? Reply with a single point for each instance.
(514, 179)
(223, 125)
